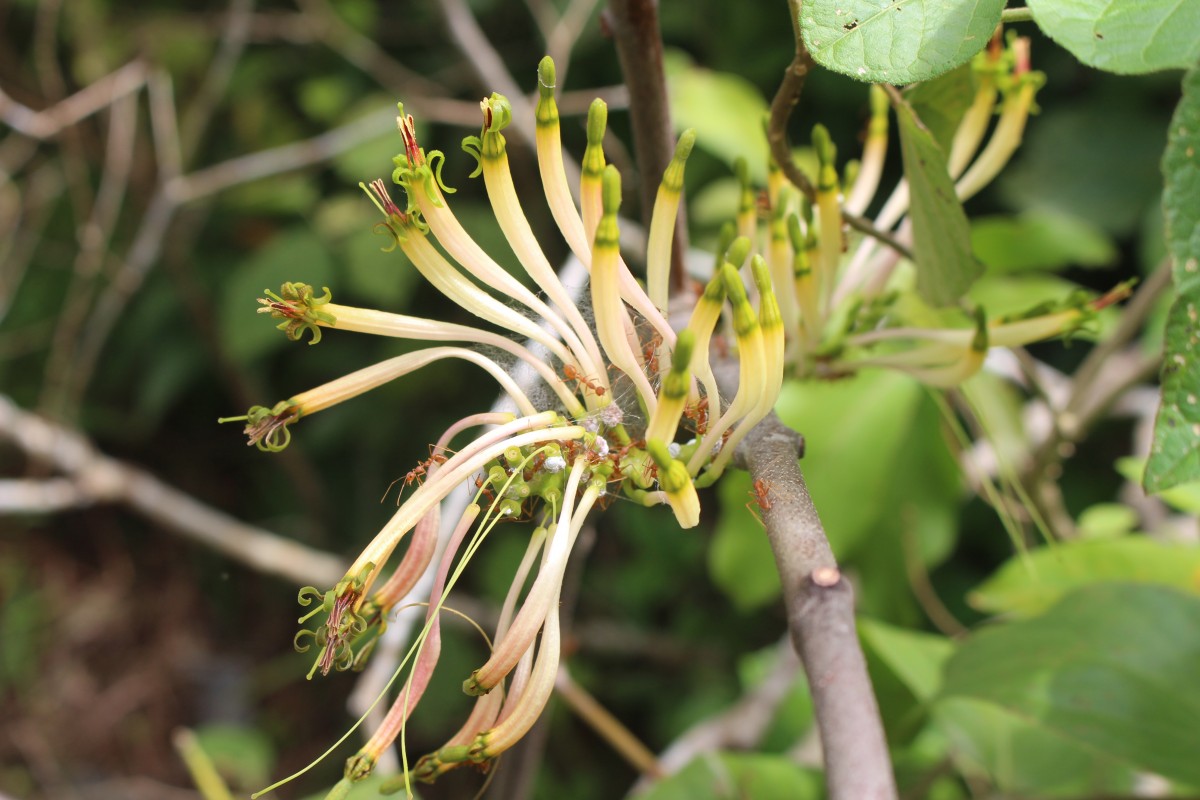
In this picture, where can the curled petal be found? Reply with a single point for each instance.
(298, 641)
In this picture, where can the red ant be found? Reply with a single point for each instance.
(760, 494)
(488, 494)
(762, 204)
(650, 354)
(416, 474)
(572, 373)
(698, 413)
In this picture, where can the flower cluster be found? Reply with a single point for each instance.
(629, 406)
(618, 402)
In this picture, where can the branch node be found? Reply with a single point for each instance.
(826, 577)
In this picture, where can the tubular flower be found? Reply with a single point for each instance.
(843, 302)
(616, 402)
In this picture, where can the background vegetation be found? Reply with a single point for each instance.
(224, 158)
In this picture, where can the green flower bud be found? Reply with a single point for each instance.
(611, 192)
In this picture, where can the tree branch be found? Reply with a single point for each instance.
(820, 608)
(786, 98)
(635, 31)
(92, 477)
(740, 726)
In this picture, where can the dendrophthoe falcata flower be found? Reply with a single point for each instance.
(632, 408)
(628, 405)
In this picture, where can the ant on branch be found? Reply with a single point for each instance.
(572, 373)
(760, 494)
(416, 474)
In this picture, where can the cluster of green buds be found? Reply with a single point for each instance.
(622, 404)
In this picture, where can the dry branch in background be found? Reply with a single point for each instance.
(89, 477)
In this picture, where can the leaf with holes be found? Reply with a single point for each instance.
(1175, 454)
(897, 41)
(1124, 37)
(946, 267)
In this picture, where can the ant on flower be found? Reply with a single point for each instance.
(416, 474)
(572, 373)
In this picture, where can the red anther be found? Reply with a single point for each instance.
(411, 149)
(385, 199)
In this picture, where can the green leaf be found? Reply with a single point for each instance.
(897, 41)
(1124, 37)
(945, 265)
(1175, 454)
(726, 111)
(915, 657)
(1044, 240)
(744, 776)
(916, 518)
(1056, 167)
(1029, 585)
(1183, 497)
(1112, 667)
(855, 427)
(1024, 758)
(942, 102)
(740, 560)
(1106, 521)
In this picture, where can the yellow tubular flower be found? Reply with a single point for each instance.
(974, 124)
(368, 378)
(1014, 113)
(434, 267)
(805, 285)
(770, 321)
(673, 394)
(491, 743)
(577, 234)
(470, 459)
(874, 154)
(780, 259)
(770, 318)
(829, 217)
(591, 178)
(701, 325)
(507, 208)
(747, 210)
(550, 165)
(752, 377)
(676, 484)
(402, 326)
(662, 225)
(611, 316)
(467, 252)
